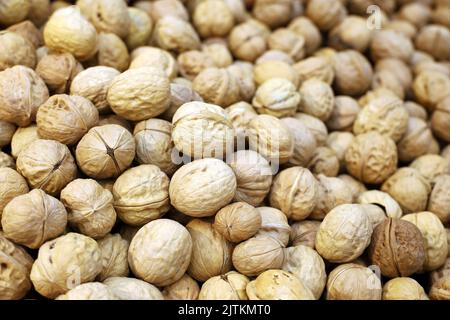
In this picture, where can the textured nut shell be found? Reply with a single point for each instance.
(141, 194)
(212, 18)
(114, 251)
(278, 285)
(154, 57)
(317, 99)
(353, 282)
(192, 62)
(230, 286)
(139, 94)
(382, 199)
(180, 93)
(306, 28)
(47, 164)
(270, 69)
(258, 254)
(112, 52)
(325, 14)
(238, 221)
(274, 223)
(132, 289)
(247, 40)
(14, 11)
(6, 132)
(431, 166)
(433, 39)
(88, 291)
(294, 192)
(240, 115)
(391, 44)
(6, 161)
(253, 176)
(304, 142)
(219, 53)
(435, 236)
(105, 151)
(403, 288)
(66, 118)
(324, 161)
(416, 141)
(109, 16)
(68, 31)
(317, 68)
(162, 8)
(29, 31)
(440, 290)
(93, 84)
(243, 72)
(12, 184)
(304, 233)
(440, 119)
(351, 33)
(356, 187)
(184, 289)
(160, 252)
(16, 50)
(115, 119)
(398, 248)
(64, 263)
(439, 200)
(175, 34)
(202, 187)
(22, 138)
(288, 41)
(430, 87)
(29, 90)
(371, 158)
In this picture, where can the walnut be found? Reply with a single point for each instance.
(230, 286)
(326, 13)
(339, 142)
(304, 142)
(270, 69)
(16, 50)
(439, 199)
(192, 62)
(351, 33)
(112, 52)
(240, 115)
(274, 224)
(430, 87)
(315, 68)
(29, 31)
(356, 187)
(306, 28)
(416, 110)
(433, 39)
(213, 18)
(324, 161)
(115, 119)
(316, 126)
(12, 185)
(132, 289)
(185, 288)
(114, 251)
(6, 161)
(431, 166)
(248, 40)
(156, 58)
(399, 68)
(175, 34)
(13, 11)
(273, 13)
(304, 233)
(289, 42)
(440, 120)
(218, 53)
(140, 28)
(383, 200)
(88, 291)
(391, 44)
(40, 11)
(403, 288)
(243, 72)
(179, 94)
(416, 140)
(163, 8)
(7, 131)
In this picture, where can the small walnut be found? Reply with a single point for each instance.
(431, 166)
(175, 34)
(326, 14)
(180, 93)
(202, 187)
(160, 252)
(68, 31)
(404, 27)
(29, 31)
(306, 28)
(105, 151)
(439, 200)
(308, 266)
(271, 138)
(440, 290)
(6, 161)
(248, 40)
(218, 53)
(416, 140)
(317, 99)
(12, 185)
(185, 288)
(29, 91)
(192, 62)
(213, 18)
(324, 161)
(397, 248)
(13, 11)
(435, 237)
(409, 188)
(230, 286)
(289, 42)
(270, 69)
(154, 144)
(240, 115)
(441, 119)
(274, 224)
(88, 291)
(339, 142)
(156, 58)
(315, 68)
(7, 131)
(238, 221)
(344, 233)
(403, 288)
(132, 289)
(140, 29)
(399, 68)
(388, 80)
(40, 11)
(163, 8)
(253, 176)
(391, 44)
(243, 72)
(351, 281)
(114, 251)
(356, 187)
(16, 50)
(112, 52)
(316, 126)
(416, 110)
(115, 119)
(66, 118)
(434, 39)
(141, 194)
(430, 87)
(47, 165)
(304, 142)
(277, 97)
(419, 57)
(93, 84)
(278, 285)
(64, 263)
(304, 233)
(351, 33)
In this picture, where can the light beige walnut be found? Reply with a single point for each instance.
(175, 34)
(433, 39)
(90, 207)
(88, 291)
(105, 151)
(409, 188)
(248, 40)
(112, 52)
(211, 252)
(339, 142)
(48, 165)
(66, 118)
(440, 119)
(253, 176)
(287, 41)
(317, 99)
(387, 79)
(403, 288)
(115, 119)
(343, 280)
(316, 126)
(271, 138)
(229, 286)
(351, 33)
(435, 237)
(273, 13)
(325, 13)
(356, 187)
(202, 130)
(29, 91)
(372, 157)
(243, 72)
(93, 84)
(416, 140)
(270, 69)
(304, 233)
(324, 161)
(140, 30)
(154, 144)
(213, 18)
(315, 68)
(141, 194)
(64, 263)
(192, 62)
(185, 288)
(218, 53)
(68, 31)
(277, 97)
(114, 251)
(16, 50)
(132, 289)
(430, 87)
(13, 11)
(274, 224)
(440, 290)
(304, 142)
(238, 221)
(7, 131)
(391, 44)
(305, 27)
(12, 184)
(156, 58)
(202, 187)
(29, 31)
(400, 69)
(6, 161)
(160, 252)
(180, 93)
(383, 200)
(278, 285)
(15, 275)
(162, 8)
(344, 233)
(275, 55)
(439, 200)
(258, 254)
(240, 115)
(431, 166)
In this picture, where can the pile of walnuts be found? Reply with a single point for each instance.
(225, 149)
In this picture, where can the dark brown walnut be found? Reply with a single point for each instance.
(47, 165)
(105, 151)
(398, 248)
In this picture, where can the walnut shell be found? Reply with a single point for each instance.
(22, 138)
(433, 39)
(7, 131)
(324, 161)
(218, 53)
(339, 142)
(230, 286)
(14, 11)
(156, 58)
(356, 187)
(397, 248)
(351, 281)
(160, 252)
(273, 13)
(141, 194)
(29, 31)
(175, 34)
(431, 166)
(64, 263)
(105, 151)
(192, 62)
(381, 199)
(372, 157)
(270, 69)
(247, 40)
(240, 115)
(184, 289)
(304, 142)
(325, 13)
(440, 290)
(317, 68)
(88, 291)
(403, 288)
(132, 289)
(288, 41)
(238, 221)
(179, 94)
(304, 233)
(16, 50)
(202, 187)
(243, 72)
(274, 224)
(12, 184)
(351, 33)
(29, 90)
(114, 251)
(112, 52)
(162, 8)
(6, 161)
(416, 140)
(440, 119)
(391, 44)
(430, 87)
(316, 126)
(47, 164)
(213, 18)
(305, 27)
(439, 200)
